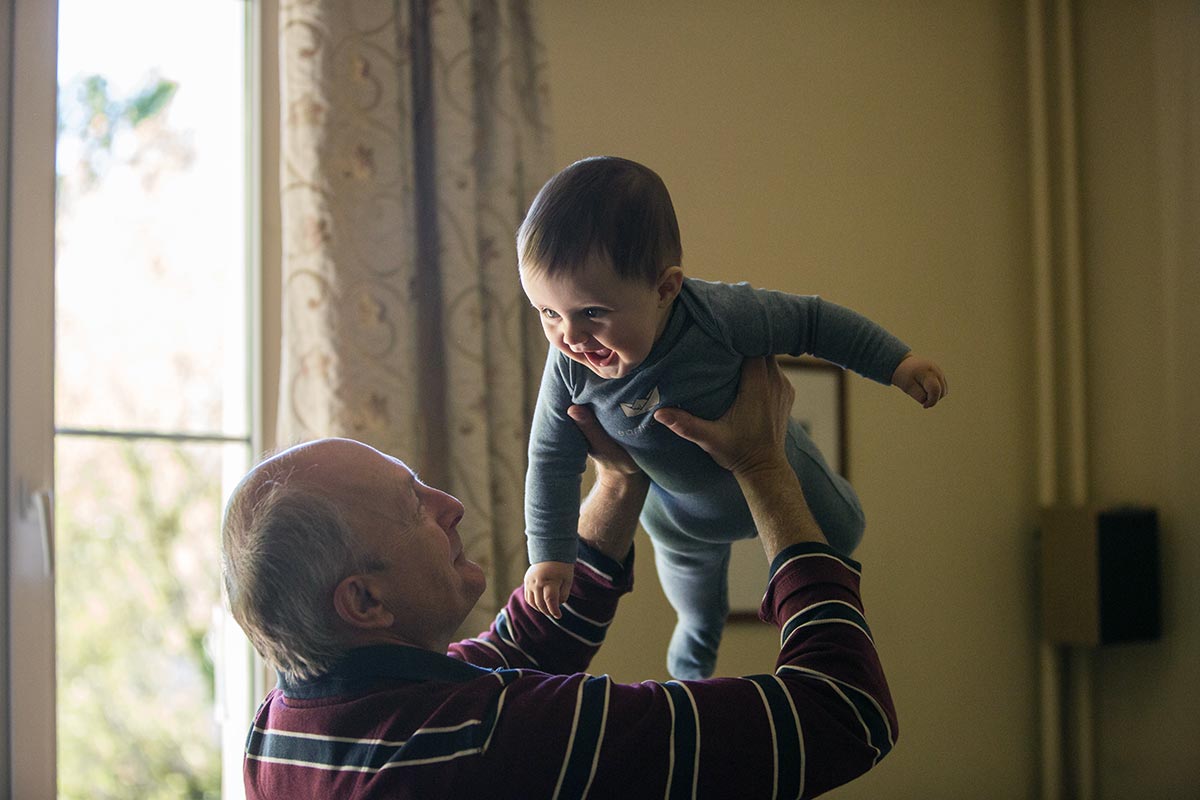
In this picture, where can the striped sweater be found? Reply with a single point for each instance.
(511, 713)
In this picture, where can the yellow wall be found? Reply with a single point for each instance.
(877, 154)
(1140, 168)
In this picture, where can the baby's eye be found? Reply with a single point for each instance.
(594, 313)
(549, 313)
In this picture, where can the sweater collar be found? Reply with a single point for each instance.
(368, 665)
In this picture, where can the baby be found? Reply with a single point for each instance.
(600, 260)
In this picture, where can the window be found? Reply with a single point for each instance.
(154, 298)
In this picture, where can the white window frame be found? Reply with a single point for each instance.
(30, 109)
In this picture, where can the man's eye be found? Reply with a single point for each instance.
(549, 313)
(594, 313)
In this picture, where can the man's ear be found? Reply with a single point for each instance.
(670, 282)
(359, 605)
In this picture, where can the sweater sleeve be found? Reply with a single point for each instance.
(557, 458)
(758, 322)
(523, 637)
(823, 717)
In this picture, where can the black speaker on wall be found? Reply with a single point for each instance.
(1100, 575)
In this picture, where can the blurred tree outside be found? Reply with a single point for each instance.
(92, 117)
(135, 597)
(136, 519)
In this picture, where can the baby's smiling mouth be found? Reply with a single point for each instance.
(601, 357)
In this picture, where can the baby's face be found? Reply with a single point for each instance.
(594, 316)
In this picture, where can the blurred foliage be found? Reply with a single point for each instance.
(149, 102)
(89, 113)
(137, 585)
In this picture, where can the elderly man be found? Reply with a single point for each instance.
(348, 574)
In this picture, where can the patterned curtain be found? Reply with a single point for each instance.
(414, 138)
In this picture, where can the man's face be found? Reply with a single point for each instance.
(427, 581)
(594, 316)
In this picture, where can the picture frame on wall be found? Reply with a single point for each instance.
(820, 407)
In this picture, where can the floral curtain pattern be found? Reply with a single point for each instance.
(414, 138)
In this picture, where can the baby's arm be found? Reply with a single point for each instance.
(557, 456)
(921, 379)
(607, 519)
(761, 322)
(548, 585)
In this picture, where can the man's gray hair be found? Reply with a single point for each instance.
(285, 547)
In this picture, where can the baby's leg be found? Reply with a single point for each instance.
(694, 576)
(696, 584)
(832, 499)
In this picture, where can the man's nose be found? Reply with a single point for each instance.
(449, 509)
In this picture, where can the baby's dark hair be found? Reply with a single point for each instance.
(606, 206)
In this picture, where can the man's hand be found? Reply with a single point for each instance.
(921, 379)
(751, 432)
(610, 457)
(548, 585)
(749, 441)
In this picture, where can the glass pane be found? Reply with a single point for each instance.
(151, 335)
(151, 215)
(138, 593)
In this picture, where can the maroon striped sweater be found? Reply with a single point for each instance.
(511, 713)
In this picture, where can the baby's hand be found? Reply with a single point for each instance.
(921, 379)
(547, 586)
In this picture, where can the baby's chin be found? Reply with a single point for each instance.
(617, 370)
(607, 373)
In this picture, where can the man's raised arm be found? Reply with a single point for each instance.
(608, 517)
(521, 636)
